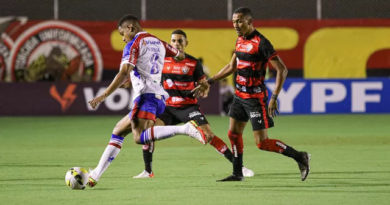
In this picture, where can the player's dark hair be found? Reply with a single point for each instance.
(243, 10)
(179, 31)
(127, 17)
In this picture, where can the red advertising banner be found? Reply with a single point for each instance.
(78, 51)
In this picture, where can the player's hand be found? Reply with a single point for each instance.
(96, 101)
(273, 108)
(202, 90)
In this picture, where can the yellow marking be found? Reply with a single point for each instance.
(343, 52)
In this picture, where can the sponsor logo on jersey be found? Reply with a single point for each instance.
(249, 47)
(169, 82)
(190, 64)
(185, 69)
(150, 42)
(177, 99)
(55, 50)
(181, 84)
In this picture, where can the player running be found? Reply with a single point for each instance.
(252, 53)
(179, 78)
(142, 60)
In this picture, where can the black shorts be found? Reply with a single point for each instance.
(254, 109)
(176, 115)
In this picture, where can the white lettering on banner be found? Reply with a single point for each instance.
(360, 97)
(122, 102)
(286, 98)
(319, 99)
(88, 94)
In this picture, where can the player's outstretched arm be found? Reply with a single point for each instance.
(118, 80)
(203, 90)
(223, 73)
(281, 74)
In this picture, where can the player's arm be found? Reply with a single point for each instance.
(200, 79)
(223, 73)
(170, 51)
(118, 80)
(281, 74)
(126, 83)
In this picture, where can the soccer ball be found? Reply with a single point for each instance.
(76, 178)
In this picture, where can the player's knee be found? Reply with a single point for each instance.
(137, 139)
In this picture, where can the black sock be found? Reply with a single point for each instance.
(291, 152)
(237, 165)
(228, 155)
(148, 158)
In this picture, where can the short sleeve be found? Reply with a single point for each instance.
(169, 50)
(130, 54)
(266, 49)
(198, 72)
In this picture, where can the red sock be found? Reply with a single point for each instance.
(237, 143)
(218, 144)
(272, 145)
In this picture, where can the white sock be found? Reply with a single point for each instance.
(156, 133)
(112, 150)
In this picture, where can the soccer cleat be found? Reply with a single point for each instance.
(91, 182)
(194, 131)
(247, 172)
(144, 174)
(304, 166)
(231, 178)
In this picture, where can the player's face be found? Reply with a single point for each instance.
(127, 31)
(179, 42)
(242, 24)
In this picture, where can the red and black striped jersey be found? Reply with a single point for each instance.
(253, 53)
(179, 78)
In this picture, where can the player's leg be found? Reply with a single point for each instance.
(221, 147)
(238, 120)
(121, 129)
(147, 153)
(236, 128)
(146, 108)
(261, 121)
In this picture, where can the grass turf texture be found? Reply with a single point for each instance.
(350, 163)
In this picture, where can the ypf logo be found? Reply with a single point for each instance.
(55, 50)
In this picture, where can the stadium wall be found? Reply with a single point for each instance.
(310, 49)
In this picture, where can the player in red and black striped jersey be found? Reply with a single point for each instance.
(252, 54)
(179, 78)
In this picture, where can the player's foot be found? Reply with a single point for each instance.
(194, 131)
(91, 182)
(247, 172)
(304, 166)
(144, 174)
(231, 178)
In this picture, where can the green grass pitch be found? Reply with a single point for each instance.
(350, 163)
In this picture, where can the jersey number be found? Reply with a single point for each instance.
(153, 60)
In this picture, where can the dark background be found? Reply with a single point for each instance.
(194, 9)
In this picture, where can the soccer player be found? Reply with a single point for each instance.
(179, 78)
(142, 60)
(252, 53)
